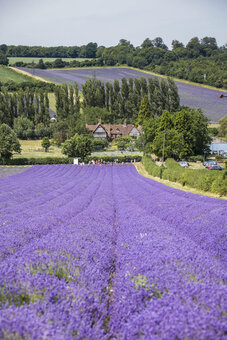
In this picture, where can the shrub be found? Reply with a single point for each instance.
(205, 180)
(151, 167)
(39, 160)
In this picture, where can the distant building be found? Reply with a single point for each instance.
(114, 130)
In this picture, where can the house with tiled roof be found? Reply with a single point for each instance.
(114, 130)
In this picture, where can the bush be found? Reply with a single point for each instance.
(151, 167)
(39, 160)
(197, 158)
(213, 181)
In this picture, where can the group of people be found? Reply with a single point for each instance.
(100, 162)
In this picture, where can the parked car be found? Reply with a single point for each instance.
(184, 164)
(209, 162)
(215, 167)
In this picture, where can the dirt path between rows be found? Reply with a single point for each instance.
(6, 171)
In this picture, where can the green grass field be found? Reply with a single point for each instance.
(13, 60)
(33, 149)
(7, 74)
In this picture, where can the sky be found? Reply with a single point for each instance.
(78, 22)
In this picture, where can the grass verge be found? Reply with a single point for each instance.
(145, 172)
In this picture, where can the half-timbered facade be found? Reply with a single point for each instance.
(113, 131)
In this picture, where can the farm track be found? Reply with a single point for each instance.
(116, 255)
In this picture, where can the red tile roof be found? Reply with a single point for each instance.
(114, 129)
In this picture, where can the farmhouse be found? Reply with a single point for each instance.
(114, 130)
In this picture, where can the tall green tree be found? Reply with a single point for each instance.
(144, 112)
(9, 143)
(77, 146)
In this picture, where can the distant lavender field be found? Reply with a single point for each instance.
(190, 95)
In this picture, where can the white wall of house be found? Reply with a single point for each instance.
(134, 132)
(100, 132)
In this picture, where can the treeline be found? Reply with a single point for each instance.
(91, 50)
(27, 112)
(33, 85)
(201, 60)
(59, 63)
(122, 100)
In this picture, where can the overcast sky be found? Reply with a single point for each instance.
(78, 22)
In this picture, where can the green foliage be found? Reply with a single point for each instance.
(223, 127)
(42, 131)
(46, 143)
(91, 115)
(213, 181)
(3, 59)
(23, 127)
(77, 146)
(144, 111)
(151, 167)
(181, 134)
(123, 143)
(38, 160)
(8, 142)
(99, 144)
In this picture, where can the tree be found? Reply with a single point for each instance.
(23, 127)
(144, 112)
(41, 64)
(8, 143)
(123, 142)
(176, 44)
(91, 50)
(3, 59)
(158, 42)
(147, 43)
(46, 143)
(168, 143)
(223, 127)
(77, 146)
(194, 127)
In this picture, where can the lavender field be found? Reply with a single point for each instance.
(101, 252)
(190, 95)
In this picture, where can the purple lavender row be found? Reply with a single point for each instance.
(115, 269)
(193, 215)
(34, 194)
(15, 186)
(165, 286)
(18, 229)
(57, 285)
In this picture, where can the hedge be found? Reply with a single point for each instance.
(213, 181)
(39, 160)
(64, 160)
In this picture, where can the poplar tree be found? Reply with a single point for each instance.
(144, 112)
(174, 99)
(144, 87)
(77, 99)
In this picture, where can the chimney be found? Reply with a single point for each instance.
(125, 124)
(100, 121)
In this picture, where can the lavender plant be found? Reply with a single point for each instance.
(100, 252)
